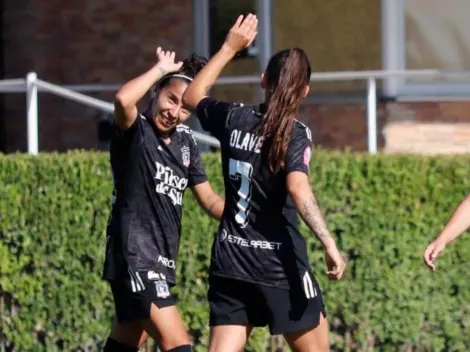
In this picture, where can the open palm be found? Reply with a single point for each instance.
(166, 61)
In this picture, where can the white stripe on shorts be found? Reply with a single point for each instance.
(140, 280)
(136, 281)
(310, 291)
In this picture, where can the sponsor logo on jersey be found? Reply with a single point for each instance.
(170, 184)
(166, 262)
(185, 155)
(223, 235)
(307, 155)
(243, 242)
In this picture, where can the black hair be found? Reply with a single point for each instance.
(191, 67)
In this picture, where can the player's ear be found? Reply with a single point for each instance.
(263, 80)
(155, 91)
(306, 91)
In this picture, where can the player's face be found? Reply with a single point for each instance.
(169, 106)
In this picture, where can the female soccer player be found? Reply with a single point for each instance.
(153, 159)
(458, 223)
(260, 274)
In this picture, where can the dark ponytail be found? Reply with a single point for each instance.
(287, 75)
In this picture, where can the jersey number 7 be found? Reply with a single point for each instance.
(242, 171)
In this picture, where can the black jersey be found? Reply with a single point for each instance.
(150, 178)
(258, 238)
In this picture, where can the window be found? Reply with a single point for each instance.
(427, 34)
(222, 14)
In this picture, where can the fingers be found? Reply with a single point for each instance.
(252, 31)
(249, 25)
(337, 272)
(247, 22)
(429, 257)
(238, 22)
(333, 274)
(252, 38)
(169, 55)
(166, 55)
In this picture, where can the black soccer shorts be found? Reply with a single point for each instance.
(236, 302)
(134, 296)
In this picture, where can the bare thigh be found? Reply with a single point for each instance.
(129, 334)
(311, 340)
(229, 338)
(166, 327)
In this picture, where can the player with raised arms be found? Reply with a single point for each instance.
(154, 158)
(260, 273)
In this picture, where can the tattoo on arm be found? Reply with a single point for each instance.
(313, 218)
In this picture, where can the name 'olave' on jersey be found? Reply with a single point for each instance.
(246, 141)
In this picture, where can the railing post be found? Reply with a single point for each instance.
(264, 41)
(372, 115)
(32, 112)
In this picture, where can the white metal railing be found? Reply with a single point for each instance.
(32, 85)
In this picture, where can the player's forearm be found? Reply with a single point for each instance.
(206, 78)
(458, 223)
(131, 92)
(214, 206)
(310, 213)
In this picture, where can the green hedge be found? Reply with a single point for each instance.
(383, 210)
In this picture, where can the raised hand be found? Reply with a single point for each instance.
(242, 34)
(166, 61)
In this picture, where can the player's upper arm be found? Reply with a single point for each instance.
(196, 170)
(202, 192)
(213, 115)
(125, 113)
(297, 185)
(299, 151)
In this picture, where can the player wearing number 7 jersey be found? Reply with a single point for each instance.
(260, 274)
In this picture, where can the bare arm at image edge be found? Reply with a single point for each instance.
(457, 225)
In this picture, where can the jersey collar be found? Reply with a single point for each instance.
(150, 120)
(260, 109)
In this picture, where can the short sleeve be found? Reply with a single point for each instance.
(299, 151)
(136, 128)
(213, 115)
(196, 170)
